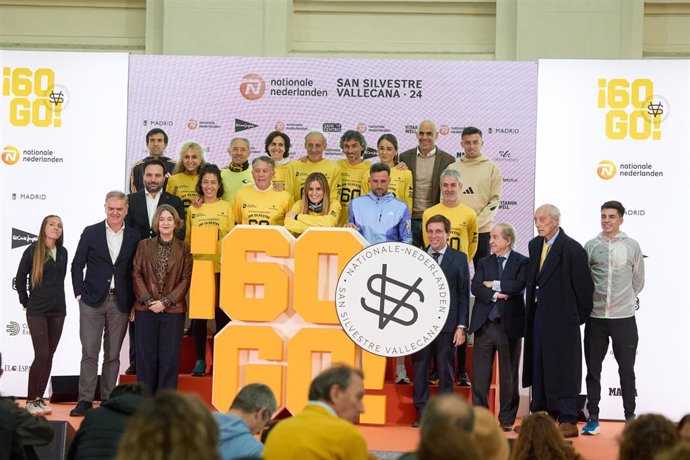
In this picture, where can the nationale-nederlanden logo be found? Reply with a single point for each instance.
(392, 299)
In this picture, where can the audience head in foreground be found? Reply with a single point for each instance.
(646, 436)
(540, 440)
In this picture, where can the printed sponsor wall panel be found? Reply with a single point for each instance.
(617, 130)
(213, 99)
(62, 130)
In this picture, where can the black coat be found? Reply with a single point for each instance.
(564, 289)
(102, 428)
(48, 298)
(456, 269)
(513, 282)
(138, 216)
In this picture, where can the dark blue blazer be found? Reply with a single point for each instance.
(513, 281)
(138, 215)
(92, 253)
(455, 267)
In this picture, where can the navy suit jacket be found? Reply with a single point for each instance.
(93, 254)
(513, 281)
(455, 267)
(138, 215)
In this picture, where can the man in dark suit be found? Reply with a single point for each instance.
(559, 300)
(456, 269)
(426, 162)
(498, 322)
(142, 207)
(105, 297)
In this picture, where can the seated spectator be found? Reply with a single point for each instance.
(249, 413)
(646, 436)
(449, 442)
(170, 426)
(102, 428)
(540, 440)
(684, 428)
(680, 451)
(324, 429)
(20, 431)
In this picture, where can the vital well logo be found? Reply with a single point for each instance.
(10, 155)
(404, 306)
(606, 169)
(252, 87)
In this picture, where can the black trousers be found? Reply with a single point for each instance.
(488, 340)
(159, 339)
(417, 235)
(45, 336)
(623, 334)
(444, 352)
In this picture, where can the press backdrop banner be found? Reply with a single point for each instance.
(213, 99)
(62, 132)
(618, 130)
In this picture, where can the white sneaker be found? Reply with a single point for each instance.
(45, 407)
(401, 375)
(34, 408)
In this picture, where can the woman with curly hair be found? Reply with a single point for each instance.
(540, 440)
(170, 426)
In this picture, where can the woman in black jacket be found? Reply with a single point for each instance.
(42, 269)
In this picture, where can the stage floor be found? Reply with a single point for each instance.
(404, 438)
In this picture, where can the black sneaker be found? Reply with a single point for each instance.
(131, 370)
(81, 409)
(463, 380)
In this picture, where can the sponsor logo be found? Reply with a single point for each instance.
(332, 127)
(468, 191)
(192, 124)
(16, 368)
(632, 109)
(404, 305)
(279, 126)
(617, 392)
(507, 204)
(13, 328)
(10, 155)
(14, 283)
(606, 169)
(410, 129)
(362, 127)
(241, 125)
(158, 123)
(252, 87)
(635, 212)
(504, 130)
(505, 155)
(30, 196)
(511, 180)
(21, 238)
(443, 130)
(35, 98)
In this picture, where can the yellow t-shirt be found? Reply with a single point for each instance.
(254, 207)
(401, 185)
(218, 214)
(299, 170)
(183, 186)
(304, 221)
(351, 177)
(281, 172)
(463, 227)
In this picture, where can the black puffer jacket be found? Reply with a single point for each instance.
(102, 428)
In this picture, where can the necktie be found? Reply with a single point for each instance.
(500, 267)
(544, 251)
(436, 255)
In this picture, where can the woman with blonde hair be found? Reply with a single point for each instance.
(44, 266)
(185, 175)
(315, 208)
(170, 426)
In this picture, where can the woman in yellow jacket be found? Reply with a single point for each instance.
(315, 208)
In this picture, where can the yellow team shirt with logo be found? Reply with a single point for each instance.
(401, 185)
(281, 172)
(254, 207)
(463, 227)
(299, 170)
(218, 214)
(351, 177)
(183, 186)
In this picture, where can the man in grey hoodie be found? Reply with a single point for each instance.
(249, 413)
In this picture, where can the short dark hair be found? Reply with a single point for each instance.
(154, 162)
(157, 131)
(353, 135)
(614, 205)
(390, 138)
(379, 167)
(438, 218)
(469, 130)
(286, 139)
(130, 389)
(254, 397)
(210, 168)
(340, 375)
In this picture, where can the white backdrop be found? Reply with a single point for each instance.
(87, 144)
(585, 152)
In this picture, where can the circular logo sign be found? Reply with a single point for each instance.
(392, 299)
(606, 169)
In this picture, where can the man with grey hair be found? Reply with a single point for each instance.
(353, 168)
(498, 322)
(426, 162)
(249, 413)
(559, 300)
(105, 296)
(315, 144)
(238, 174)
(324, 429)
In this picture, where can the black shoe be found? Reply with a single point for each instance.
(463, 380)
(131, 370)
(507, 427)
(82, 408)
(415, 424)
(187, 332)
(433, 378)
